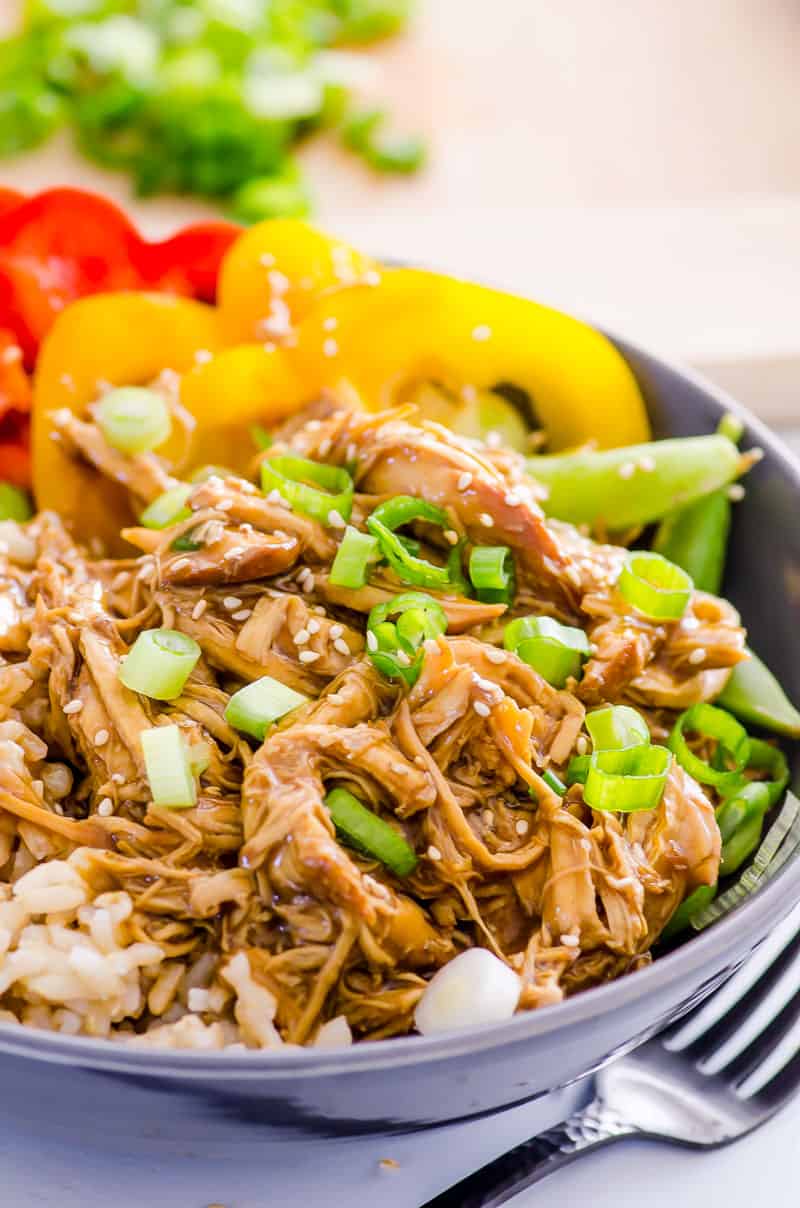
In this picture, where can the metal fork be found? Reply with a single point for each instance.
(720, 1072)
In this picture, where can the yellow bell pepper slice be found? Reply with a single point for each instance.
(276, 272)
(123, 339)
(414, 327)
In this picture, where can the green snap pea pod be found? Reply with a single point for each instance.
(741, 821)
(696, 901)
(637, 484)
(756, 697)
(696, 536)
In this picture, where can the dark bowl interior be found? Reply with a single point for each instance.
(78, 1089)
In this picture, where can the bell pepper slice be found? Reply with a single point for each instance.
(189, 262)
(387, 339)
(122, 339)
(9, 200)
(284, 261)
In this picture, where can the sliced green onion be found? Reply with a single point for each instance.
(369, 833)
(404, 509)
(395, 647)
(556, 651)
(655, 587)
(255, 707)
(491, 571)
(329, 500)
(134, 420)
(766, 758)
(203, 473)
(168, 509)
(353, 557)
(186, 543)
(578, 769)
(731, 736)
(552, 781)
(14, 504)
(159, 663)
(617, 728)
(627, 780)
(731, 426)
(168, 767)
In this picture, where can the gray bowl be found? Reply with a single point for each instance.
(84, 1091)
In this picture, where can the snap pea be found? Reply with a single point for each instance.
(637, 484)
(741, 821)
(696, 901)
(756, 697)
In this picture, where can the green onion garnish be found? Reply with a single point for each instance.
(322, 492)
(168, 767)
(556, 651)
(404, 509)
(655, 587)
(395, 647)
(255, 707)
(14, 503)
(134, 420)
(353, 557)
(369, 833)
(578, 769)
(159, 663)
(552, 781)
(733, 745)
(617, 728)
(168, 509)
(627, 780)
(491, 572)
(261, 438)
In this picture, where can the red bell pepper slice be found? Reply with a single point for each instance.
(188, 263)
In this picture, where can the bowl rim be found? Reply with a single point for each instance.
(769, 904)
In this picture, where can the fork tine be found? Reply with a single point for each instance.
(776, 1077)
(688, 1032)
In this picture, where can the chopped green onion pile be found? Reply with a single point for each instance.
(169, 769)
(364, 830)
(556, 651)
(159, 663)
(255, 707)
(207, 97)
(654, 587)
(134, 420)
(323, 492)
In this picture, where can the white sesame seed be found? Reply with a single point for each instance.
(303, 573)
(308, 585)
(336, 631)
(242, 614)
(105, 807)
(372, 641)
(399, 769)
(235, 551)
(313, 626)
(698, 656)
(486, 520)
(647, 463)
(341, 645)
(181, 563)
(451, 536)
(330, 347)
(203, 356)
(521, 827)
(512, 499)
(308, 656)
(570, 941)
(481, 332)
(119, 581)
(371, 277)
(434, 853)
(481, 708)
(331, 323)
(496, 656)
(402, 658)
(118, 777)
(199, 609)
(267, 259)
(582, 744)
(231, 603)
(278, 282)
(627, 469)
(301, 637)
(224, 505)
(494, 440)
(336, 519)
(12, 354)
(325, 446)
(313, 425)
(101, 738)
(246, 528)
(464, 480)
(351, 452)
(73, 706)
(736, 492)
(690, 623)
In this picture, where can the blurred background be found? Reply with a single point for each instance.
(636, 163)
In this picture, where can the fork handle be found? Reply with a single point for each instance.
(497, 1182)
